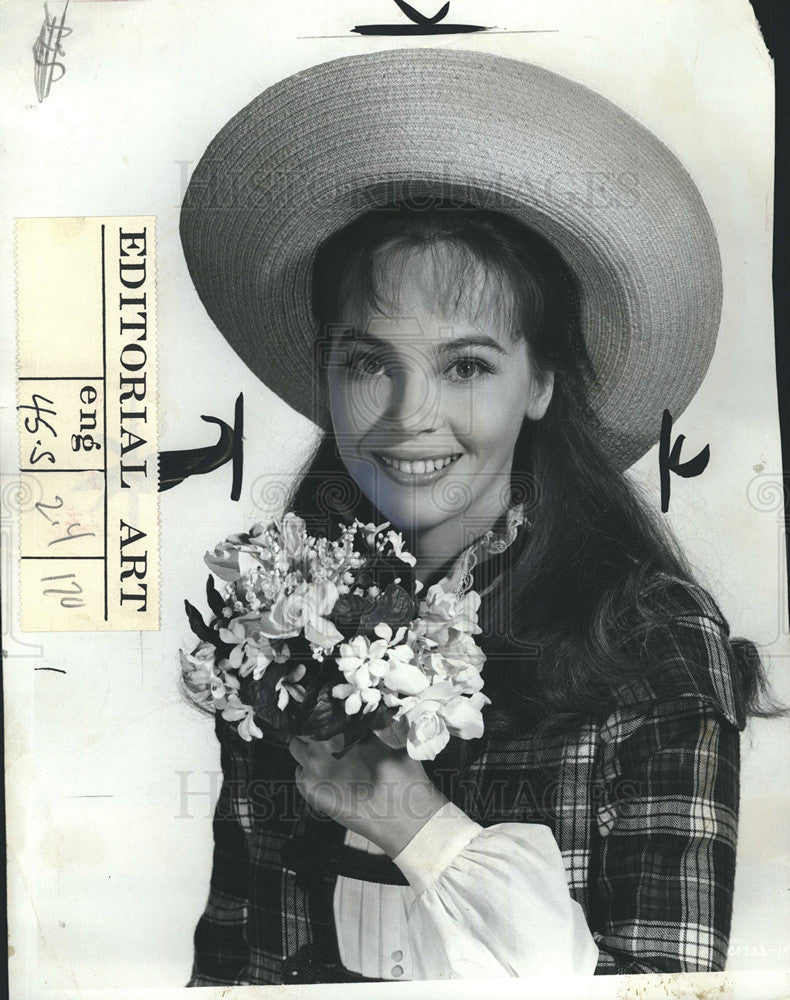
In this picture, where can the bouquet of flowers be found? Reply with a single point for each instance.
(316, 637)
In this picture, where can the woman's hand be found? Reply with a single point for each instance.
(380, 793)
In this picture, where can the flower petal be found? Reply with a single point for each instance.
(460, 714)
(427, 749)
(405, 678)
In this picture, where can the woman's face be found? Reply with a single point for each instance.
(427, 400)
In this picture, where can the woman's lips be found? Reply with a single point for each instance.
(422, 470)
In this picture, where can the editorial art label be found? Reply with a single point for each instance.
(86, 310)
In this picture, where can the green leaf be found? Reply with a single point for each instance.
(349, 608)
(326, 717)
(394, 606)
(198, 626)
(214, 598)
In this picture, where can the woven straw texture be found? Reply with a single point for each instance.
(321, 147)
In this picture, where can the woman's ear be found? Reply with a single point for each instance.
(540, 392)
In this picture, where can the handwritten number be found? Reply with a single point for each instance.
(49, 506)
(35, 422)
(69, 537)
(36, 456)
(71, 600)
(37, 417)
(669, 459)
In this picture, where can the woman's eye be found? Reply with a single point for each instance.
(466, 369)
(366, 365)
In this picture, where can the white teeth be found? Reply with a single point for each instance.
(421, 466)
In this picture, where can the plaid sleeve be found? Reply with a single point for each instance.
(667, 863)
(222, 952)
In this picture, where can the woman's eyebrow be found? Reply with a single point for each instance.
(473, 340)
(441, 347)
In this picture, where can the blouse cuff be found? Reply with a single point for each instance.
(435, 846)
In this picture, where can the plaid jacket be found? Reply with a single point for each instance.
(644, 808)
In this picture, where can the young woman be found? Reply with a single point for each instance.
(592, 828)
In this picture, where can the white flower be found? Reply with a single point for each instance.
(392, 700)
(293, 537)
(198, 671)
(289, 686)
(384, 631)
(257, 655)
(201, 658)
(443, 615)
(223, 685)
(396, 541)
(363, 662)
(304, 610)
(463, 715)
(460, 659)
(403, 676)
(357, 698)
(468, 680)
(224, 562)
(234, 632)
(370, 532)
(248, 729)
(236, 711)
(437, 712)
(427, 734)
(283, 582)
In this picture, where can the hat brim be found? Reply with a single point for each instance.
(319, 148)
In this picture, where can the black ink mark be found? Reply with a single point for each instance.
(176, 466)
(35, 422)
(36, 456)
(46, 50)
(422, 25)
(669, 459)
(55, 670)
(49, 506)
(37, 418)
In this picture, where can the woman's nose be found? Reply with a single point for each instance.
(414, 400)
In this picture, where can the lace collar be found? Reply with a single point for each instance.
(493, 542)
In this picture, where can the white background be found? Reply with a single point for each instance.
(107, 875)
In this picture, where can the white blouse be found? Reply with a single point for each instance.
(481, 901)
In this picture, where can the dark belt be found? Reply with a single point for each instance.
(317, 857)
(313, 862)
(309, 966)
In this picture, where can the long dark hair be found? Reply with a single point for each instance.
(595, 573)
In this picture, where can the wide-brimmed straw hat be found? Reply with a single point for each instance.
(321, 147)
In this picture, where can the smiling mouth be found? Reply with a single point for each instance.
(418, 467)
